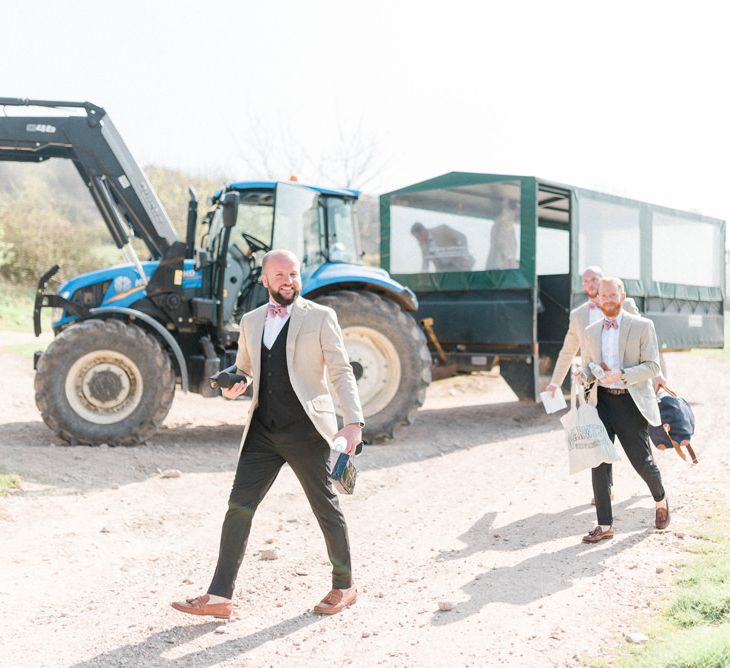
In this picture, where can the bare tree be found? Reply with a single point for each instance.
(355, 161)
(274, 151)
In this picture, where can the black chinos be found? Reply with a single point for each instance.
(622, 418)
(281, 433)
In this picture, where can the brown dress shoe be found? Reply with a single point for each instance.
(597, 534)
(200, 606)
(336, 601)
(662, 517)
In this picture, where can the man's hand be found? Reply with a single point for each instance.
(612, 376)
(579, 377)
(659, 383)
(552, 388)
(352, 433)
(234, 390)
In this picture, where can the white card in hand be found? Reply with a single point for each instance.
(553, 403)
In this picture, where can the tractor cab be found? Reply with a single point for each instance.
(318, 225)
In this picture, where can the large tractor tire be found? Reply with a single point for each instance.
(389, 355)
(104, 381)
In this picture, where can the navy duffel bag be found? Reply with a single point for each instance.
(678, 425)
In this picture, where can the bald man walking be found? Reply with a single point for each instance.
(289, 348)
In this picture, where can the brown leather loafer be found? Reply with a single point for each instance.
(598, 534)
(200, 606)
(662, 517)
(336, 601)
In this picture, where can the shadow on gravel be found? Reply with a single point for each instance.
(149, 652)
(437, 432)
(547, 573)
(205, 449)
(39, 456)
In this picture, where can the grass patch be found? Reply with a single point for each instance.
(9, 482)
(697, 647)
(25, 349)
(694, 630)
(16, 308)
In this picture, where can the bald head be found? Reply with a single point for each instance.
(591, 276)
(278, 254)
(280, 276)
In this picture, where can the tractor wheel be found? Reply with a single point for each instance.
(389, 355)
(104, 381)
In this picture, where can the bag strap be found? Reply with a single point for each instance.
(667, 389)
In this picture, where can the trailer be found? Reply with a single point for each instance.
(496, 260)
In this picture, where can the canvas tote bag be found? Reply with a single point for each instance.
(586, 437)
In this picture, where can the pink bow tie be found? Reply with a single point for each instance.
(276, 309)
(610, 324)
(593, 306)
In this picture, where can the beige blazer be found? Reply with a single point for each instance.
(579, 320)
(315, 354)
(639, 355)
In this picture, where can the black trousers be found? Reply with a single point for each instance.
(622, 418)
(264, 453)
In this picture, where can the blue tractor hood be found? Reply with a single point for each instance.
(351, 276)
(123, 285)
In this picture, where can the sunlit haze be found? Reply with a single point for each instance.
(630, 98)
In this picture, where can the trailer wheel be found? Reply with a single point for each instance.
(389, 355)
(104, 381)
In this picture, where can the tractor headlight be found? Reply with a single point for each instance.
(57, 312)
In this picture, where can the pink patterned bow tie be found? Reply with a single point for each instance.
(276, 309)
(593, 306)
(610, 324)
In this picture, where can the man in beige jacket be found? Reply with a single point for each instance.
(580, 317)
(625, 347)
(289, 348)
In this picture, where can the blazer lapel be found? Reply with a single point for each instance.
(595, 342)
(257, 335)
(299, 310)
(623, 335)
(585, 315)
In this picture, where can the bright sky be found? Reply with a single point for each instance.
(626, 97)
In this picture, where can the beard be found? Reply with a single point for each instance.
(611, 311)
(282, 300)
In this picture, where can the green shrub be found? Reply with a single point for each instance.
(36, 235)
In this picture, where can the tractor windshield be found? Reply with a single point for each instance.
(341, 235)
(255, 220)
(316, 227)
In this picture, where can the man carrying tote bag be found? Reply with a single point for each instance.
(588, 442)
(622, 348)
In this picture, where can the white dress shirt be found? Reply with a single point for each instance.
(610, 351)
(595, 314)
(273, 326)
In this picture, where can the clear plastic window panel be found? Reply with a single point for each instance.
(685, 251)
(609, 237)
(296, 211)
(465, 228)
(553, 251)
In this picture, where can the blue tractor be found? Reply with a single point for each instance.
(127, 336)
